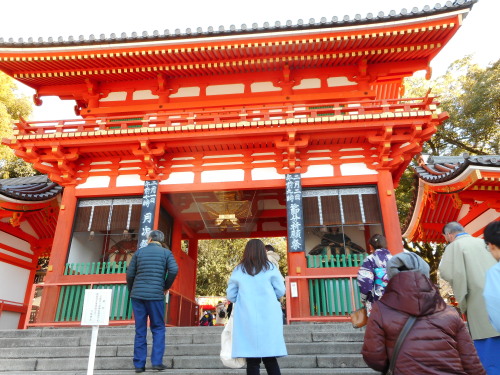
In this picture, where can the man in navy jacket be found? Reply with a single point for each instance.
(150, 274)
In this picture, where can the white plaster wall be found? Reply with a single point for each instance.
(481, 221)
(95, 182)
(318, 171)
(263, 87)
(25, 258)
(339, 81)
(14, 281)
(355, 169)
(27, 228)
(179, 178)
(223, 175)
(309, 83)
(234, 88)
(84, 251)
(16, 243)
(129, 180)
(186, 92)
(259, 174)
(143, 95)
(463, 211)
(115, 96)
(9, 320)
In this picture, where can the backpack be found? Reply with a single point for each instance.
(205, 320)
(222, 314)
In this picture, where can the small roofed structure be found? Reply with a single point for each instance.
(29, 207)
(454, 188)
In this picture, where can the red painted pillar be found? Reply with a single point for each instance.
(392, 228)
(297, 266)
(193, 253)
(58, 255)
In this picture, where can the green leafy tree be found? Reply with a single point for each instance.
(217, 259)
(471, 96)
(12, 107)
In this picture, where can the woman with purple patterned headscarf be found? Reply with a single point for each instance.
(372, 275)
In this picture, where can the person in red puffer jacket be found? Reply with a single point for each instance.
(438, 342)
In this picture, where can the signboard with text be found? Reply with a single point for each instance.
(147, 212)
(295, 220)
(96, 307)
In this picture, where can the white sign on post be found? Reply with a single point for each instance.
(96, 307)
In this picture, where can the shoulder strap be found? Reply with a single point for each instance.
(409, 323)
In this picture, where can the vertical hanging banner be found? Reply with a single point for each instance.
(147, 212)
(295, 219)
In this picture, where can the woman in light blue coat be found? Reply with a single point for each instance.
(254, 288)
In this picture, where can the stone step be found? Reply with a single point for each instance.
(313, 349)
(329, 371)
(129, 330)
(185, 362)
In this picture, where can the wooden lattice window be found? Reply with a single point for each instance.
(105, 215)
(341, 206)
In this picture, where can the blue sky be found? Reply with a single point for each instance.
(36, 18)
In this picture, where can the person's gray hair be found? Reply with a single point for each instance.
(453, 227)
(407, 261)
(156, 235)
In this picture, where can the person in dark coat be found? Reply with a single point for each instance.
(437, 344)
(150, 274)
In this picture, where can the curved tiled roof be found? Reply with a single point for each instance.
(444, 168)
(34, 188)
(312, 24)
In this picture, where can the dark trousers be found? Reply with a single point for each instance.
(155, 310)
(271, 364)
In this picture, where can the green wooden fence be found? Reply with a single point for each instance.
(332, 296)
(324, 261)
(95, 268)
(70, 304)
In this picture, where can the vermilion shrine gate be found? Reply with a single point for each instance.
(214, 123)
(454, 188)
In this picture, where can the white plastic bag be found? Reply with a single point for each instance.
(226, 347)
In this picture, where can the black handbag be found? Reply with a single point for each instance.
(399, 342)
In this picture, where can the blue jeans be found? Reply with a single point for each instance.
(155, 310)
(487, 351)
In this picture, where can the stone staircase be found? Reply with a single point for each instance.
(312, 348)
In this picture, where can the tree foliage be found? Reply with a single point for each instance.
(217, 259)
(471, 96)
(12, 107)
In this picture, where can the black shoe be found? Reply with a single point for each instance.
(140, 369)
(159, 367)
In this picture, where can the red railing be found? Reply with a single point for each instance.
(206, 119)
(180, 310)
(338, 297)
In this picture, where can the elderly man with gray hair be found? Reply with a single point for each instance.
(150, 274)
(464, 265)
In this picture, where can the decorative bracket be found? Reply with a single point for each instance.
(16, 219)
(290, 144)
(36, 99)
(149, 155)
(286, 83)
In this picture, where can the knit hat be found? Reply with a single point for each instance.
(406, 261)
